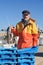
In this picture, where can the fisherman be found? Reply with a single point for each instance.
(27, 31)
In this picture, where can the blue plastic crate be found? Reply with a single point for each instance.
(7, 63)
(25, 64)
(31, 55)
(26, 60)
(28, 50)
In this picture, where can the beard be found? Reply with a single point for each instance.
(25, 22)
(26, 19)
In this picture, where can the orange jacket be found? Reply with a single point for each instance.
(28, 36)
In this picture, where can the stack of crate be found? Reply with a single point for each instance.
(26, 56)
(13, 56)
(8, 56)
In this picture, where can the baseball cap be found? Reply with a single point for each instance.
(25, 12)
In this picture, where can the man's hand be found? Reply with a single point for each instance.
(10, 28)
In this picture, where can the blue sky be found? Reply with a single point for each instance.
(10, 11)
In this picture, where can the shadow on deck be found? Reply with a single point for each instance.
(39, 54)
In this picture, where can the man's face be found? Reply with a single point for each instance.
(26, 16)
